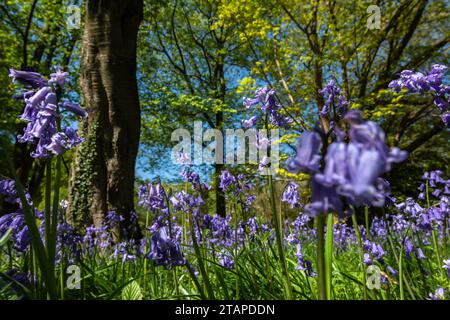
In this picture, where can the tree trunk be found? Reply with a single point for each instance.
(220, 94)
(103, 174)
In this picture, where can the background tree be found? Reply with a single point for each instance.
(33, 36)
(104, 167)
(196, 53)
(308, 43)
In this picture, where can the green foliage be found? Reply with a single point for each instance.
(132, 291)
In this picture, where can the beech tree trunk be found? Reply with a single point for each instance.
(103, 174)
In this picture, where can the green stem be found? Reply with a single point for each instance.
(54, 214)
(47, 200)
(436, 249)
(321, 257)
(366, 219)
(329, 254)
(361, 253)
(199, 259)
(400, 273)
(279, 238)
(433, 232)
(145, 253)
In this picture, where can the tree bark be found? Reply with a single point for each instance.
(103, 174)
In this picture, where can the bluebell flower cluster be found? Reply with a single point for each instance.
(291, 196)
(351, 170)
(269, 105)
(41, 114)
(432, 82)
(334, 100)
(165, 250)
(152, 197)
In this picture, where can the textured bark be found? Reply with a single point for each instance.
(103, 175)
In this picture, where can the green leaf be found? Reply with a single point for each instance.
(5, 237)
(132, 291)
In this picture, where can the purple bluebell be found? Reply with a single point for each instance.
(336, 170)
(399, 223)
(165, 250)
(370, 136)
(364, 167)
(152, 196)
(59, 77)
(250, 123)
(226, 260)
(290, 195)
(259, 97)
(417, 82)
(252, 227)
(278, 120)
(409, 246)
(28, 79)
(333, 99)
(227, 180)
(64, 141)
(410, 207)
(186, 202)
(379, 227)
(302, 263)
(308, 155)
(420, 254)
(392, 271)
(447, 266)
(41, 114)
(439, 294)
(75, 109)
(324, 200)
(375, 250)
(113, 219)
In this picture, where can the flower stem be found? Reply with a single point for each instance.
(321, 257)
(200, 259)
(329, 254)
(47, 200)
(361, 253)
(279, 238)
(54, 214)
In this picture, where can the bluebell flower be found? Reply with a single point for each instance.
(226, 260)
(336, 169)
(165, 250)
(308, 154)
(152, 197)
(75, 109)
(439, 294)
(41, 113)
(420, 254)
(63, 141)
(250, 123)
(333, 98)
(59, 77)
(28, 79)
(324, 200)
(227, 180)
(417, 82)
(392, 271)
(447, 266)
(290, 195)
